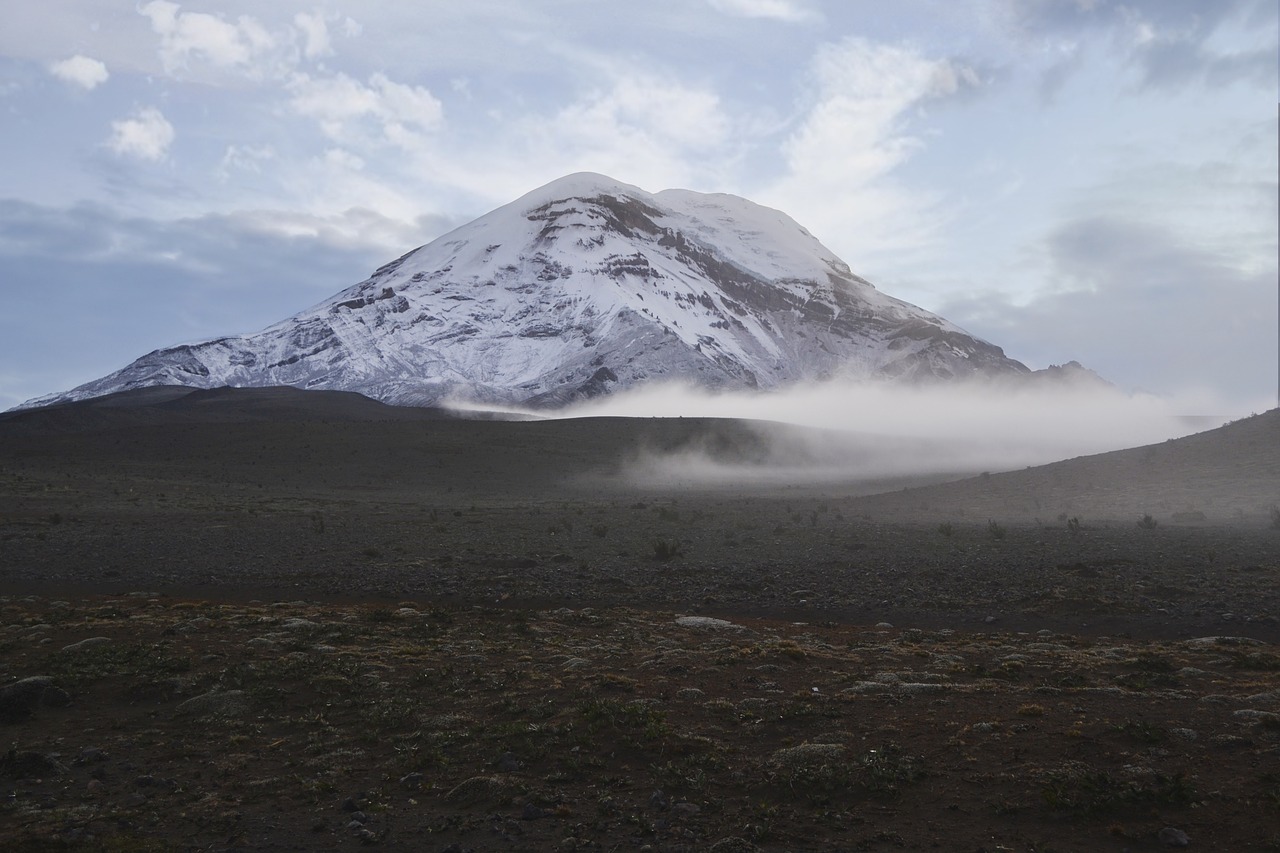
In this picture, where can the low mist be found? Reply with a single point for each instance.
(885, 435)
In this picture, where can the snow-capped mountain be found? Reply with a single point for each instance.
(580, 288)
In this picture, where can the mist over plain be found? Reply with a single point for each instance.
(875, 431)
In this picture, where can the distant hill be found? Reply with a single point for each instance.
(1228, 474)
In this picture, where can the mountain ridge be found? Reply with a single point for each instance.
(582, 287)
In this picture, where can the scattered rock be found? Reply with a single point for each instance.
(87, 643)
(1209, 642)
(905, 688)
(1173, 837)
(29, 765)
(228, 703)
(733, 844)
(806, 756)
(707, 623)
(477, 789)
(1267, 718)
(90, 755)
(20, 699)
(1269, 696)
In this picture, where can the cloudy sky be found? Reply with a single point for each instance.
(1070, 179)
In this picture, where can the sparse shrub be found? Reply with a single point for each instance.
(888, 768)
(666, 550)
(1255, 661)
(946, 528)
(1031, 710)
(1094, 792)
(600, 531)
(111, 660)
(1147, 522)
(1270, 790)
(790, 648)
(994, 528)
(1275, 516)
(819, 765)
(1073, 525)
(1148, 662)
(689, 772)
(1141, 731)
(614, 681)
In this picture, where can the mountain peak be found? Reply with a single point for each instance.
(582, 287)
(578, 185)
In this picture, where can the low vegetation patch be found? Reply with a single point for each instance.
(182, 724)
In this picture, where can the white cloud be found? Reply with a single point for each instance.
(147, 135)
(1171, 43)
(666, 112)
(315, 31)
(646, 129)
(790, 11)
(351, 28)
(840, 160)
(339, 103)
(244, 158)
(185, 36)
(81, 71)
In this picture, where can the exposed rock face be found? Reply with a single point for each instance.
(581, 288)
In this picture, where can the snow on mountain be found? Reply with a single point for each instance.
(579, 288)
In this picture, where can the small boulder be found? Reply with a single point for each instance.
(19, 700)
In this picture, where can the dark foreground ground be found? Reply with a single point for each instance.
(324, 626)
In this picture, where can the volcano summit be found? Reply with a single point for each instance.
(581, 288)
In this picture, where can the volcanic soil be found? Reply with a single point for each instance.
(283, 620)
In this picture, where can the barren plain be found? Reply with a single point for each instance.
(279, 620)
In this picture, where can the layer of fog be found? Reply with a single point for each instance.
(860, 432)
